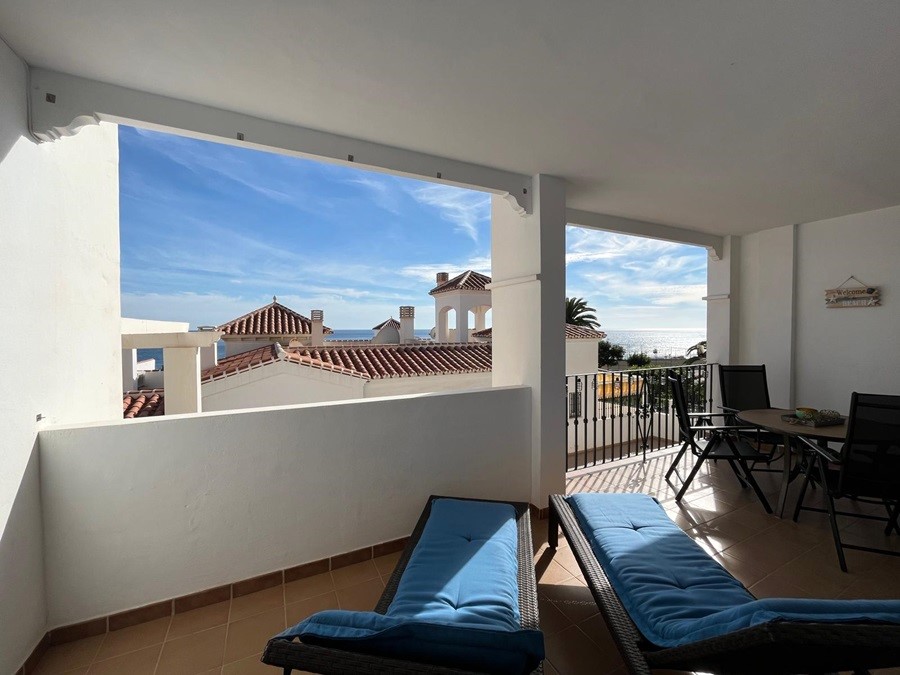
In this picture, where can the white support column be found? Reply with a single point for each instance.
(182, 379)
(209, 357)
(441, 331)
(462, 321)
(129, 369)
(722, 303)
(479, 318)
(528, 298)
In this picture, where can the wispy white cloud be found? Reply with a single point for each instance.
(383, 191)
(467, 210)
(427, 272)
(637, 283)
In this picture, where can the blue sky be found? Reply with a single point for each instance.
(210, 232)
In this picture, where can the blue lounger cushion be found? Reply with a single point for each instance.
(675, 592)
(457, 603)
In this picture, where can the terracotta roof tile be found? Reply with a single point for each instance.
(273, 319)
(385, 361)
(392, 322)
(574, 332)
(469, 280)
(486, 333)
(240, 362)
(143, 403)
(366, 361)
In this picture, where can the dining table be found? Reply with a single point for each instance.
(771, 420)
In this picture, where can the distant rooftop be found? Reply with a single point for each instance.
(143, 403)
(469, 280)
(392, 322)
(574, 332)
(273, 319)
(371, 362)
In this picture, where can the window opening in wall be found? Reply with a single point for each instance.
(324, 279)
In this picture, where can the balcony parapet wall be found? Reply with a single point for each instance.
(152, 509)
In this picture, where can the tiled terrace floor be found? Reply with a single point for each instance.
(772, 557)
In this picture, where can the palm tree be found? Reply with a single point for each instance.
(579, 314)
(699, 350)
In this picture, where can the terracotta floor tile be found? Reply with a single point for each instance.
(193, 653)
(549, 669)
(716, 536)
(361, 597)
(566, 558)
(249, 636)
(196, 620)
(595, 628)
(249, 666)
(68, 656)
(552, 620)
(297, 611)
(385, 564)
(818, 571)
(572, 652)
(141, 662)
(548, 571)
(752, 516)
(133, 638)
(256, 603)
(741, 570)
(769, 552)
(308, 587)
(572, 598)
(777, 586)
(354, 574)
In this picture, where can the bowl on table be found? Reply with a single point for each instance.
(805, 413)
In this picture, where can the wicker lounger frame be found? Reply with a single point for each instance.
(291, 655)
(772, 648)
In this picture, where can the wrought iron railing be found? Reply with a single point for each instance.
(617, 414)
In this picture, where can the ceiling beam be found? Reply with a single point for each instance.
(60, 105)
(642, 228)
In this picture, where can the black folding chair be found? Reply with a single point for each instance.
(866, 469)
(721, 442)
(746, 388)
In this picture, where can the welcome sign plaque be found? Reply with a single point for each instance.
(856, 296)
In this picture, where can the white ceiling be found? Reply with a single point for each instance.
(726, 116)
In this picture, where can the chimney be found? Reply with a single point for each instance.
(317, 336)
(407, 325)
(442, 277)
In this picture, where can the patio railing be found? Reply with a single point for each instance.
(617, 414)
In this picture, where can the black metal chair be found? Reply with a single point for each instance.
(866, 469)
(722, 442)
(746, 388)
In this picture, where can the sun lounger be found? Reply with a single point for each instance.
(462, 599)
(669, 605)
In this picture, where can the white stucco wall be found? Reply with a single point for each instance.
(581, 356)
(155, 508)
(817, 356)
(766, 307)
(279, 384)
(839, 351)
(59, 285)
(396, 386)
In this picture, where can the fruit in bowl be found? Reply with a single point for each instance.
(805, 413)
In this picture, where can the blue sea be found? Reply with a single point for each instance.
(666, 343)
